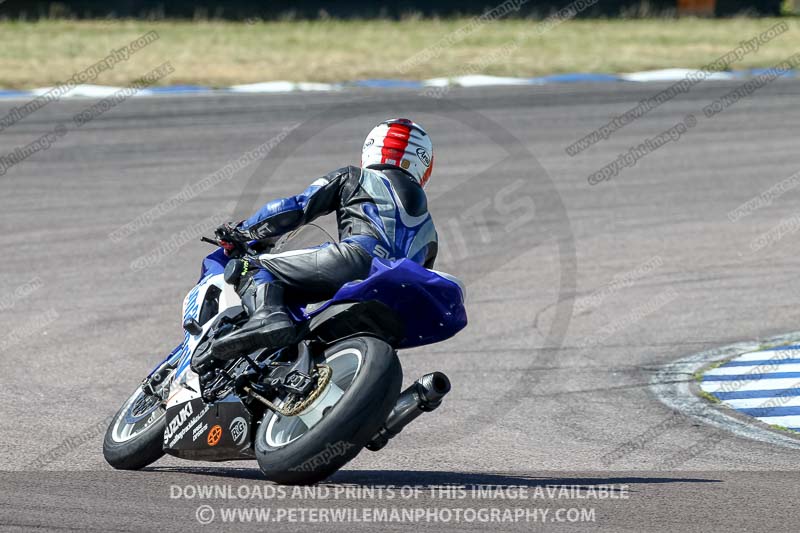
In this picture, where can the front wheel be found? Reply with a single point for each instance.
(307, 448)
(135, 438)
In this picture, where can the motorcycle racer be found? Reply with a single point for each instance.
(381, 210)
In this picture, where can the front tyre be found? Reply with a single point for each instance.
(135, 438)
(311, 446)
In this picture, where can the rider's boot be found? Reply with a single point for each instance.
(270, 325)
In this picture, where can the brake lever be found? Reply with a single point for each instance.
(248, 253)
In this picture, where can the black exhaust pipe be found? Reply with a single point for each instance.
(423, 396)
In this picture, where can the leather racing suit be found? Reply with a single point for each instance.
(381, 212)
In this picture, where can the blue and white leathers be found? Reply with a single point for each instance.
(381, 209)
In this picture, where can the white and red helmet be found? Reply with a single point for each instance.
(402, 143)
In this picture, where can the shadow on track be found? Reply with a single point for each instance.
(425, 478)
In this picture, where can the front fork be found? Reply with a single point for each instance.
(154, 383)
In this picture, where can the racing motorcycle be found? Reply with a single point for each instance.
(301, 411)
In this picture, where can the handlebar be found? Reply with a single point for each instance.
(247, 252)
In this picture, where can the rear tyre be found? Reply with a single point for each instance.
(135, 438)
(290, 452)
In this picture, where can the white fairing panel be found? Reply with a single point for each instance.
(186, 386)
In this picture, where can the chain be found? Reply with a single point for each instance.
(295, 408)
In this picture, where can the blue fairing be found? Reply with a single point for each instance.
(431, 306)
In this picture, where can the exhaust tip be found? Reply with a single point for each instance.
(440, 382)
(434, 386)
(423, 396)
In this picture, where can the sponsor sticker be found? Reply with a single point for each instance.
(182, 432)
(179, 420)
(424, 157)
(199, 430)
(239, 431)
(215, 435)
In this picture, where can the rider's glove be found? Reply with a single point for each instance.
(232, 240)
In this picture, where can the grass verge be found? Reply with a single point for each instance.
(225, 53)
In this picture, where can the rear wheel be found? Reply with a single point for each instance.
(135, 438)
(307, 448)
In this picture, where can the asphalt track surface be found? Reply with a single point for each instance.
(545, 392)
